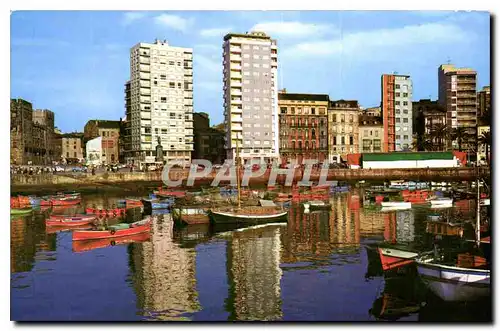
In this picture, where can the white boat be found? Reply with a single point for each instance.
(452, 283)
(400, 204)
(441, 206)
(318, 204)
(441, 201)
(485, 202)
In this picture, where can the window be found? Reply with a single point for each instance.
(405, 103)
(366, 132)
(405, 137)
(246, 81)
(351, 140)
(74, 146)
(256, 65)
(74, 154)
(343, 140)
(255, 47)
(376, 145)
(163, 99)
(405, 111)
(398, 111)
(283, 110)
(246, 56)
(171, 63)
(376, 133)
(179, 85)
(172, 84)
(405, 95)
(147, 130)
(397, 86)
(405, 120)
(313, 111)
(246, 73)
(335, 140)
(398, 136)
(67, 154)
(397, 103)
(398, 120)
(397, 94)
(163, 77)
(246, 64)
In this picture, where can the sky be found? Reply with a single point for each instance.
(76, 63)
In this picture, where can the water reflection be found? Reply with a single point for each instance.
(254, 274)
(164, 274)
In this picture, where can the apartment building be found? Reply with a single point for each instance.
(159, 103)
(427, 116)
(371, 134)
(110, 133)
(208, 141)
(72, 147)
(483, 102)
(343, 129)
(303, 126)
(397, 115)
(457, 95)
(250, 73)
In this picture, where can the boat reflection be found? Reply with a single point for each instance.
(87, 245)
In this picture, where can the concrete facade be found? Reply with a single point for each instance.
(159, 103)
(208, 141)
(457, 95)
(72, 147)
(371, 134)
(110, 133)
(251, 96)
(343, 129)
(483, 102)
(397, 92)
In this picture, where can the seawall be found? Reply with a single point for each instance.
(140, 181)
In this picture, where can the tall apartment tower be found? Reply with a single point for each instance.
(483, 102)
(457, 94)
(251, 96)
(159, 103)
(397, 115)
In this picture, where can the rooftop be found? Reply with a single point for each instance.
(253, 34)
(344, 104)
(105, 124)
(283, 95)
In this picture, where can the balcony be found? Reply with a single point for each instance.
(236, 92)
(144, 68)
(236, 111)
(188, 56)
(145, 91)
(236, 101)
(235, 58)
(235, 49)
(188, 72)
(236, 119)
(236, 127)
(235, 66)
(144, 75)
(235, 75)
(236, 83)
(144, 60)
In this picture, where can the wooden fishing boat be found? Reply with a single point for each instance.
(132, 203)
(191, 215)
(82, 217)
(133, 229)
(23, 211)
(464, 280)
(248, 214)
(415, 196)
(108, 212)
(160, 211)
(156, 204)
(444, 228)
(392, 258)
(87, 245)
(316, 204)
(441, 201)
(70, 223)
(169, 193)
(65, 201)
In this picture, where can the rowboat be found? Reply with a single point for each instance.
(441, 201)
(316, 204)
(190, 215)
(72, 218)
(454, 283)
(65, 201)
(73, 223)
(87, 245)
(23, 211)
(391, 258)
(484, 202)
(133, 229)
(156, 204)
(108, 212)
(169, 193)
(400, 204)
(133, 203)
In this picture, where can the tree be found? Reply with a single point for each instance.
(459, 134)
(424, 143)
(440, 134)
(485, 139)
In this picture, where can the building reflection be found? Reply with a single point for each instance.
(163, 274)
(254, 274)
(344, 222)
(27, 240)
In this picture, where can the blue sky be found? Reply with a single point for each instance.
(76, 62)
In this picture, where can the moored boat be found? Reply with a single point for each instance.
(316, 204)
(400, 204)
(190, 215)
(485, 202)
(82, 217)
(65, 201)
(169, 193)
(120, 230)
(70, 223)
(23, 211)
(391, 258)
(108, 212)
(248, 215)
(156, 203)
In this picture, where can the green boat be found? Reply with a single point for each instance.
(20, 211)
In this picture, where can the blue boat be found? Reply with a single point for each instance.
(156, 204)
(160, 211)
(121, 203)
(34, 201)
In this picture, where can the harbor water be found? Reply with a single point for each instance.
(315, 267)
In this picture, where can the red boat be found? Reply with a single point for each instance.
(107, 212)
(169, 193)
(130, 203)
(45, 202)
(75, 218)
(87, 245)
(392, 258)
(135, 228)
(416, 196)
(65, 201)
(64, 223)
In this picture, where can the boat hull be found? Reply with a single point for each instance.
(110, 234)
(396, 204)
(65, 202)
(454, 283)
(87, 245)
(219, 217)
(392, 258)
(20, 211)
(115, 212)
(68, 224)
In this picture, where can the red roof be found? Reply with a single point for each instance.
(353, 159)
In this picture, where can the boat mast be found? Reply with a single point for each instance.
(478, 215)
(238, 171)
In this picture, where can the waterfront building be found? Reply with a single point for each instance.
(72, 147)
(343, 129)
(373, 111)
(159, 103)
(303, 126)
(484, 102)
(250, 63)
(397, 115)
(371, 134)
(208, 141)
(109, 131)
(429, 125)
(32, 133)
(457, 95)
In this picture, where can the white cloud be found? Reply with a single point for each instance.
(365, 42)
(215, 32)
(294, 29)
(133, 16)
(174, 22)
